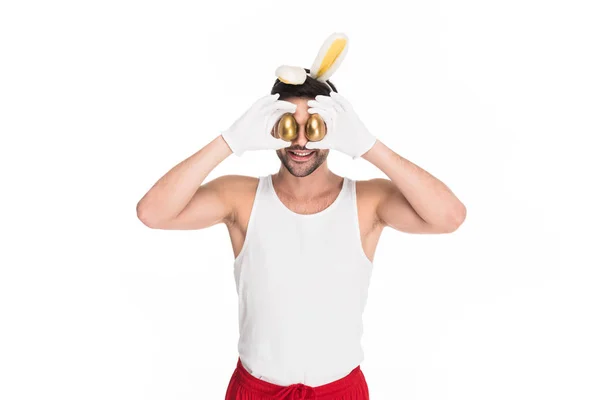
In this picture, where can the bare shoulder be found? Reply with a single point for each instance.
(239, 192)
(374, 188)
(235, 184)
(369, 194)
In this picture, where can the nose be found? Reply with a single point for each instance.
(301, 139)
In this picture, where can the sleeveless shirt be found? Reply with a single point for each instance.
(302, 282)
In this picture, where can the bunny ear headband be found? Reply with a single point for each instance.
(328, 60)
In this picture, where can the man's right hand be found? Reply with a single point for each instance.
(252, 131)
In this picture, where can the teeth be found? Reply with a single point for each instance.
(301, 154)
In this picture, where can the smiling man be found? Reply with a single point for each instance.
(303, 238)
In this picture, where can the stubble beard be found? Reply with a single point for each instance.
(302, 169)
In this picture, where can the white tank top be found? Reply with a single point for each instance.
(302, 282)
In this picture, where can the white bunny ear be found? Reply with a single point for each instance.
(330, 56)
(291, 75)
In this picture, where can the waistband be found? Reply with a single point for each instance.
(339, 386)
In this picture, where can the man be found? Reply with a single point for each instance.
(303, 238)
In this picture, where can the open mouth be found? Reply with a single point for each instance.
(301, 155)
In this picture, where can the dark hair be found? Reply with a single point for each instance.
(310, 88)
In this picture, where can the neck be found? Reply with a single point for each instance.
(319, 181)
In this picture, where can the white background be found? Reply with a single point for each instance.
(500, 100)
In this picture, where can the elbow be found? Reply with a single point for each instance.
(147, 217)
(456, 219)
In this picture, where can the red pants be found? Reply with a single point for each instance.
(245, 386)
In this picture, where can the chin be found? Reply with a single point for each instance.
(302, 169)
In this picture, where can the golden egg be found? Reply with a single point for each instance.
(287, 129)
(315, 128)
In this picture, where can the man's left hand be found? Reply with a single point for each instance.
(345, 131)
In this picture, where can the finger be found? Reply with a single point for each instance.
(263, 101)
(274, 115)
(325, 102)
(341, 100)
(321, 111)
(313, 103)
(279, 112)
(319, 105)
(286, 106)
(273, 118)
(327, 115)
(324, 99)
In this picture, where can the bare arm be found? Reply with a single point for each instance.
(179, 200)
(413, 201)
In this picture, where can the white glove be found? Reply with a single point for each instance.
(345, 131)
(252, 131)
